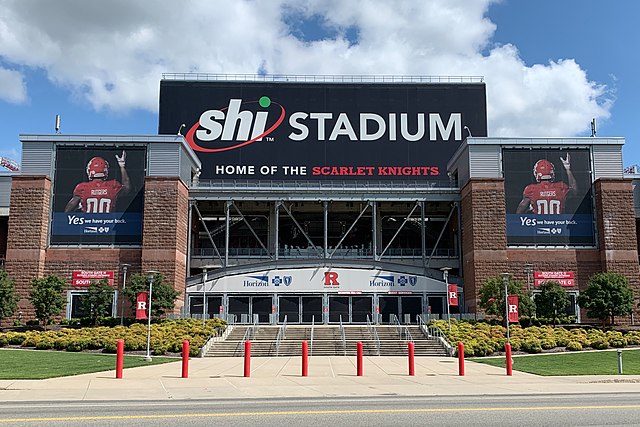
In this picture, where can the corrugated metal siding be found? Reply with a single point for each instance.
(5, 191)
(164, 160)
(607, 161)
(463, 168)
(37, 158)
(185, 167)
(484, 161)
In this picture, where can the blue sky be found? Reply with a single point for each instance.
(550, 66)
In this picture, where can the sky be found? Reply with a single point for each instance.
(550, 66)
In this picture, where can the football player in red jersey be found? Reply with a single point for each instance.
(547, 196)
(99, 195)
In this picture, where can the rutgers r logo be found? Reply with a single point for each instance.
(142, 305)
(221, 125)
(331, 278)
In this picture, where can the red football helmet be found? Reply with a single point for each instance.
(98, 168)
(544, 170)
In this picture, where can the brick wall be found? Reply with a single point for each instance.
(486, 254)
(28, 228)
(617, 230)
(28, 255)
(484, 236)
(165, 230)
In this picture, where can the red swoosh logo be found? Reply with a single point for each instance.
(190, 137)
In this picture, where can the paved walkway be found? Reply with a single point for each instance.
(328, 377)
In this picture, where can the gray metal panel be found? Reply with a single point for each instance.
(185, 167)
(5, 191)
(164, 159)
(607, 161)
(484, 161)
(37, 158)
(463, 168)
(636, 196)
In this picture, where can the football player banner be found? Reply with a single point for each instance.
(98, 195)
(453, 295)
(512, 302)
(548, 195)
(142, 302)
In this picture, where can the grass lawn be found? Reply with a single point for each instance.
(41, 364)
(587, 363)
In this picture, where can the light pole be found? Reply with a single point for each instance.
(151, 274)
(204, 297)
(125, 267)
(445, 274)
(505, 281)
(528, 268)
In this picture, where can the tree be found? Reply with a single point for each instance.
(98, 300)
(8, 297)
(607, 295)
(552, 301)
(47, 298)
(163, 297)
(492, 297)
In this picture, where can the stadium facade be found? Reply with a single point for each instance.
(318, 199)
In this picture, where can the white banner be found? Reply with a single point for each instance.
(322, 279)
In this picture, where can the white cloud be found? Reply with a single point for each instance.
(12, 86)
(114, 52)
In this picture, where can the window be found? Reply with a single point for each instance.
(74, 305)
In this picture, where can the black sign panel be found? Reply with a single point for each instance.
(98, 196)
(313, 131)
(548, 197)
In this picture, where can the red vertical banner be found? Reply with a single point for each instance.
(512, 301)
(142, 301)
(453, 295)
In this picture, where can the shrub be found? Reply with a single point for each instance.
(532, 346)
(574, 346)
(548, 344)
(600, 344)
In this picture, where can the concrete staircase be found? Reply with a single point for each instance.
(327, 341)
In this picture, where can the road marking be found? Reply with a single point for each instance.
(319, 412)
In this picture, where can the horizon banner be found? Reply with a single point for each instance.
(512, 301)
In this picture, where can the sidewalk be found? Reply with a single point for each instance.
(222, 378)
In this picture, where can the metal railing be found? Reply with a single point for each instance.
(320, 78)
(311, 253)
(313, 323)
(401, 330)
(343, 336)
(281, 334)
(251, 332)
(373, 335)
(436, 334)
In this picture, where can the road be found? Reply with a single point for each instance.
(520, 410)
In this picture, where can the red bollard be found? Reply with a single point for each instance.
(412, 370)
(247, 358)
(461, 358)
(119, 358)
(507, 348)
(359, 365)
(185, 359)
(305, 359)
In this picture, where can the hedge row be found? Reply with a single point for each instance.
(483, 339)
(166, 336)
